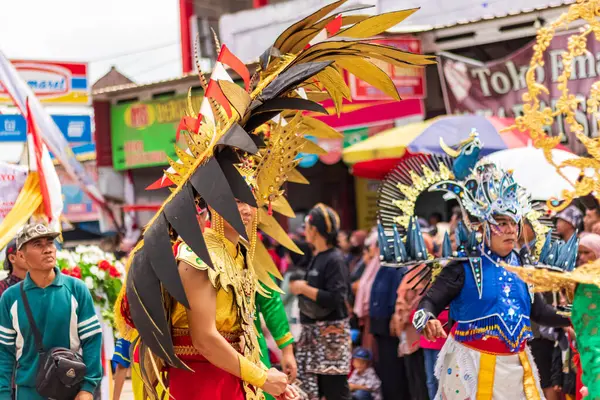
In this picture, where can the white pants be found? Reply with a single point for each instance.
(467, 374)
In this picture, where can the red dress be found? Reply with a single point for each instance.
(214, 384)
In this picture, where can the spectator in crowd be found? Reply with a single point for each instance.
(343, 240)
(568, 221)
(357, 245)
(323, 351)
(542, 345)
(434, 219)
(364, 382)
(589, 248)
(16, 267)
(408, 297)
(72, 322)
(363, 294)
(382, 304)
(592, 216)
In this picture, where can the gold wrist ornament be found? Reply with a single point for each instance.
(252, 373)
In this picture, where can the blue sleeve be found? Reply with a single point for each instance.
(121, 355)
(90, 336)
(8, 337)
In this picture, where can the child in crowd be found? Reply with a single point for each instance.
(364, 382)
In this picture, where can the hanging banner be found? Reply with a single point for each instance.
(56, 83)
(12, 179)
(496, 88)
(19, 91)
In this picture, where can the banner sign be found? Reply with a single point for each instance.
(20, 92)
(143, 133)
(56, 83)
(12, 179)
(75, 128)
(496, 88)
(409, 81)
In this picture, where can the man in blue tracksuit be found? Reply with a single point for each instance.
(63, 311)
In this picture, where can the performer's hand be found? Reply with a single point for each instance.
(276, 382)
(84, 396)
(297, 287)
(288, 363)
(290, 394)
(434, 330)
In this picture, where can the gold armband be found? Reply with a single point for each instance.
(252, 373)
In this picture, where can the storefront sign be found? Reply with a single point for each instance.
(143, 134)
(497, 88)
(366, 202)
(52, 82)
(12, 179)
(76, 128)
(409, 81)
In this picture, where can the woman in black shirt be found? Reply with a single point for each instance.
(324, 352)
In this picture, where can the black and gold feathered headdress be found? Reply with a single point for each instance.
(253, 134)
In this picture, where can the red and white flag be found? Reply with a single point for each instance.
(40, 162)
(225, 59)
(331, 29)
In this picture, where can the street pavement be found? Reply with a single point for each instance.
(127, 392)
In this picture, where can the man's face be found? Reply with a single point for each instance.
(503, 235)
(591, 217)
(38, 254)
(564, 229)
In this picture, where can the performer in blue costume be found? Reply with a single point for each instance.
(485, 356)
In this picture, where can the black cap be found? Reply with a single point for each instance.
(11, 248)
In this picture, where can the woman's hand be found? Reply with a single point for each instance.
(288, 363)
(276, 382)
(297, 287)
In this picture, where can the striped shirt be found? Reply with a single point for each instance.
(65, 315)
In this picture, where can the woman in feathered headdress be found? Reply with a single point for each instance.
(486, 355)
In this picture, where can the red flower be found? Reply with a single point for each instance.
(76, 272)
(104, 265)
(114, 272)
(65, 271)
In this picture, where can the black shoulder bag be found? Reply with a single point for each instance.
(60, 371)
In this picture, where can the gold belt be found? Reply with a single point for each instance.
(229, 336)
